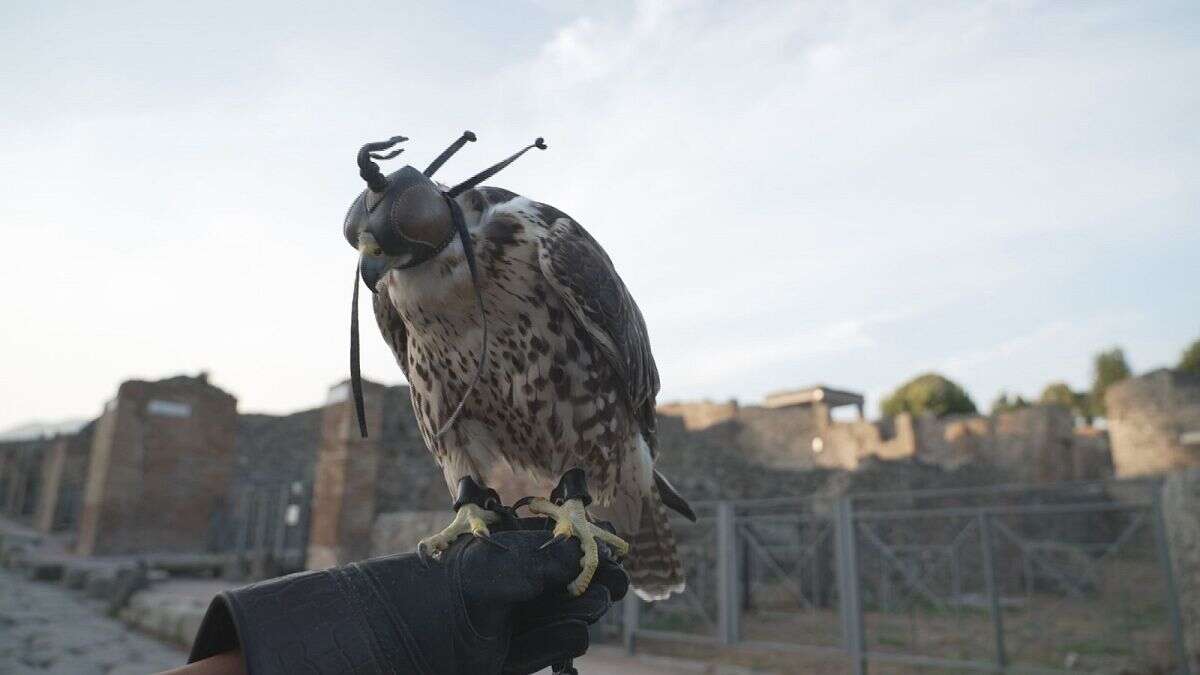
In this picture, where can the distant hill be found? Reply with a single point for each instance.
(41, 429)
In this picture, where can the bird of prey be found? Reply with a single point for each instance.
(521, 345)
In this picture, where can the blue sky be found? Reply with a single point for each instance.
(847, 193)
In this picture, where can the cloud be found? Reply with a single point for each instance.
(794, 192)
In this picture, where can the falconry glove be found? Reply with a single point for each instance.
(495, 606)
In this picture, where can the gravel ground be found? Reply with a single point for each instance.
(47, 629)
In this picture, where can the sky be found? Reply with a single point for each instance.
(794, 192)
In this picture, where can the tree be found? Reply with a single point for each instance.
(1189, 362)
(1005, 404)
(1060, 393)
(930, 393)
(1108, 369)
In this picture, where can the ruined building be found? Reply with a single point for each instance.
(160, 466)
(171, 467)
(796, 430)
(1154, 422)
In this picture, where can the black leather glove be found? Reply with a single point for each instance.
(482, 608)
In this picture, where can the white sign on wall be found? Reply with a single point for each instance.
(338, 393)
(169, 408)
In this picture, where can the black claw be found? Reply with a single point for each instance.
(493, 542)
(422, 556)
(553, 540)
(523, 501)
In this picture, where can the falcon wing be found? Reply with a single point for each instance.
(584, 277)
(392, 327)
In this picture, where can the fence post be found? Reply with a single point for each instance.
(850, 602)
(261, 533)
(746, 571)
(1164, 556)
(727, 575)
(989, 580)
(281, 526)
(631, 613)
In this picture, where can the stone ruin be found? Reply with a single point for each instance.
(796, 430)
(171, 467)
(1154, 422)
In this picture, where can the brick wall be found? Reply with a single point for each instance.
(162, 459)
(343, 503)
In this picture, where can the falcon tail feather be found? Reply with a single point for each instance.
(655, 570)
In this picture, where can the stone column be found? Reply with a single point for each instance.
(53, 462)
(343, 503)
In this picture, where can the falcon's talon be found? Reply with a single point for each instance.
(571, 520)
(469, 519)
(553, 540)
(488, 538)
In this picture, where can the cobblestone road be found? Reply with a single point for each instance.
(46, 629)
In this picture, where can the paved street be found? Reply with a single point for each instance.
(46, 629)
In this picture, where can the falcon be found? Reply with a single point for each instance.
(521, 346)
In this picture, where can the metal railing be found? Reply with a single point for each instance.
(264, 529)
(1013, 579)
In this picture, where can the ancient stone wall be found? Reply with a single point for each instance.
(20, 476)
(162, 459)
(1091, 455)
(851, 442)
(1154, 423)
(1039, 444)
(698, 415)
(954, 440)
(409, 477)
(277, 449)
(783, 437)
(63, 476)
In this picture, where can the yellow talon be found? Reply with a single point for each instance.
(470, 519)
(571, 520)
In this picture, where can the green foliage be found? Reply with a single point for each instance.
(930, 393)
(1004, 404)
(1189, 362)
(1108, 369)
(1060, 393)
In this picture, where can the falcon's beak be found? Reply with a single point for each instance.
(372, 268)
(373, 264)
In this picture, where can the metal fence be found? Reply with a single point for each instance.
(264, 528)
(1020, 579)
